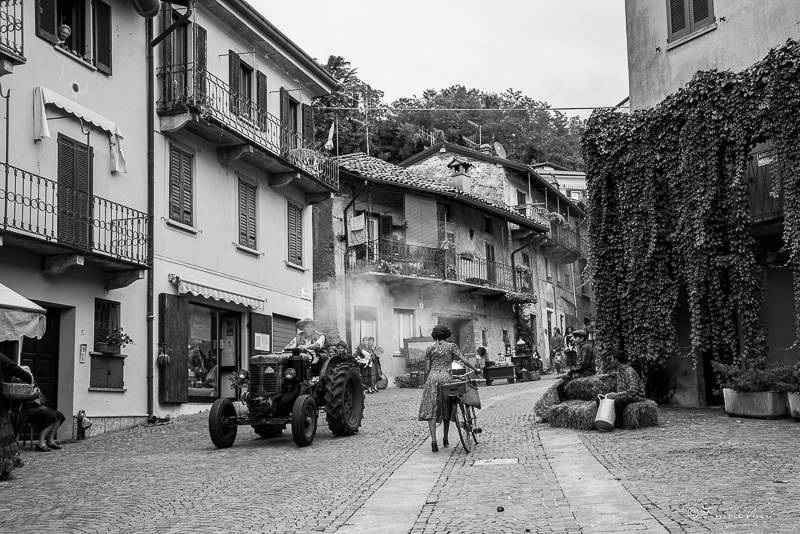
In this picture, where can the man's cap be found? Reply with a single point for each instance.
(307, 321)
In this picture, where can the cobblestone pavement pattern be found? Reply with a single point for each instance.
(698, 472)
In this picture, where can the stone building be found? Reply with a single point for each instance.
(558, 257)
(667, 44)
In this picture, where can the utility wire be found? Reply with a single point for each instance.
(390, 108)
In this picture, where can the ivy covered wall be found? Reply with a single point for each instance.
(670, 211)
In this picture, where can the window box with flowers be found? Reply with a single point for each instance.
(114, 342)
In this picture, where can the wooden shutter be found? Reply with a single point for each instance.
(702, 13)
(678, 18)
(421, 223)
(102, 36)
(173, 338)
(200, 60)
(308, 125)
(261, 99)
(180, 186)
(74, 192)
(283, 331)
(46, 20)
(385, 226)
(286, 124)
(247, 214)
(295, 234)
(83, 194)
(260, 324)
(234, 66)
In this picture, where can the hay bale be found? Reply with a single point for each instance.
(543, 406)
(640, 414)
(589, 387)
(573, 414)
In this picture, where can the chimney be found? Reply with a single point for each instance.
(460, 178)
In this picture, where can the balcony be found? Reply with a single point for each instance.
(398, 260)
(11, 24)
(562, 244)
(42, 217)
(535, 213)
(195, 99)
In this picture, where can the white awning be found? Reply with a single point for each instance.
(43, 96)
(19, 316)
(201, 290)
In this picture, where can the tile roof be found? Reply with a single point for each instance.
(377, 169)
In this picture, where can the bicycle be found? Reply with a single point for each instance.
(462, 414)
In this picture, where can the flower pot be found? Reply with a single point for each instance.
(794, 404)
(108, 348)
(761, 404)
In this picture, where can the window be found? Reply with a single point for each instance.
(547, 271)
(247, 214)
(366, 318)
(404, 319)
(180, 185)
(213, 351)
(295, 234)
(290, 136)
(106, 319)
(491, 266)
(522, 200)
(484, 338)
(576, 195)
(64, 24)
(688, 16)
(488, 225)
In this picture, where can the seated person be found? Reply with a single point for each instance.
(629, 387)
(585, 367)
(46, 421)
(309, 338)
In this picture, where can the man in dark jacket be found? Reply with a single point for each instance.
(585, 365)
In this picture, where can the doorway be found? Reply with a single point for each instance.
(213, 351)
(41, 355)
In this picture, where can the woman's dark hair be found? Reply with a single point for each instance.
(481, 351)
(570, 330)
(440, 331)
(620, 356)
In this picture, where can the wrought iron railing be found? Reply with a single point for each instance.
(391, 257)
(766, 186)
(185, 86)
(41, 208)
(11, 27)
(534, 213)
(565, 237)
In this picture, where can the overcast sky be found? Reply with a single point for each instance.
(569, 53)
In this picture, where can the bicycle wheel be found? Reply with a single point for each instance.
(459, 417)
(473, 424)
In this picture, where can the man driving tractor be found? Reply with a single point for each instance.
(310, 339)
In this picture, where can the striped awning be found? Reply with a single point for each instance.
(200, 290)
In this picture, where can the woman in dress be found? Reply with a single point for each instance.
(9, 452)
(46, 421)
(439, 357)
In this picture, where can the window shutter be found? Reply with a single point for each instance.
(308, 125)
(46, 20)
(233, 80)
(83, 194)
(385, 223)
(186, 189)
(678, 17)
(247, 214)
(175, 197)
(702, 13)
(261, 99)
(173, 335)
(286, 133)
(200, 60)
(283, 331)
(102, 36)
(98, 373)
(115, 372)
(295, 227)
(260, 324)
(66, 188)
(420, 214)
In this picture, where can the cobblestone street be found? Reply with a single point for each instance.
(701, 471)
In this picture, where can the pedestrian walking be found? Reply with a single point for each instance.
(556, 349)
(365, 358)
(439, 356)
(9, 450)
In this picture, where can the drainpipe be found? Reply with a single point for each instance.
(150, 205)
(348, 324)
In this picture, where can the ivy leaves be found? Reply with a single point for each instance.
(670, 210)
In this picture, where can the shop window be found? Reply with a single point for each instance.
(213, 350)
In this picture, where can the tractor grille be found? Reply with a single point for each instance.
(265, 379)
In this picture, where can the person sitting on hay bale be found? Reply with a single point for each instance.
(585, 365)
(629, 387)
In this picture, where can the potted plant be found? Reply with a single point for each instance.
(114, 341)
(754, 392)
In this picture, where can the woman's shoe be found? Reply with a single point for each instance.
(42, 449)
(445, 443)
(54, 445)
(434, 446)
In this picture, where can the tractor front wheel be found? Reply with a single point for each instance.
(304, 421)
(223, 433)
(344, 400)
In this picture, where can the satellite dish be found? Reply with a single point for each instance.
(499, 150)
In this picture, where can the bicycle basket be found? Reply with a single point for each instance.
(471, 396)
(19, 391)
(451, 389)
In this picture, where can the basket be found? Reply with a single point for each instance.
(451, 389)
(20, 391)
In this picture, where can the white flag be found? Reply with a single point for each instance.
(329, 143)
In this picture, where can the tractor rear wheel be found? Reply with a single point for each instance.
(304, 420)
(344, 400)
(268, 431)
(223, 433)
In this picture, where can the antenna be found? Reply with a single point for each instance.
(478, 126)
(499, 150)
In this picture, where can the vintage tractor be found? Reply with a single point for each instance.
(290, 388)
